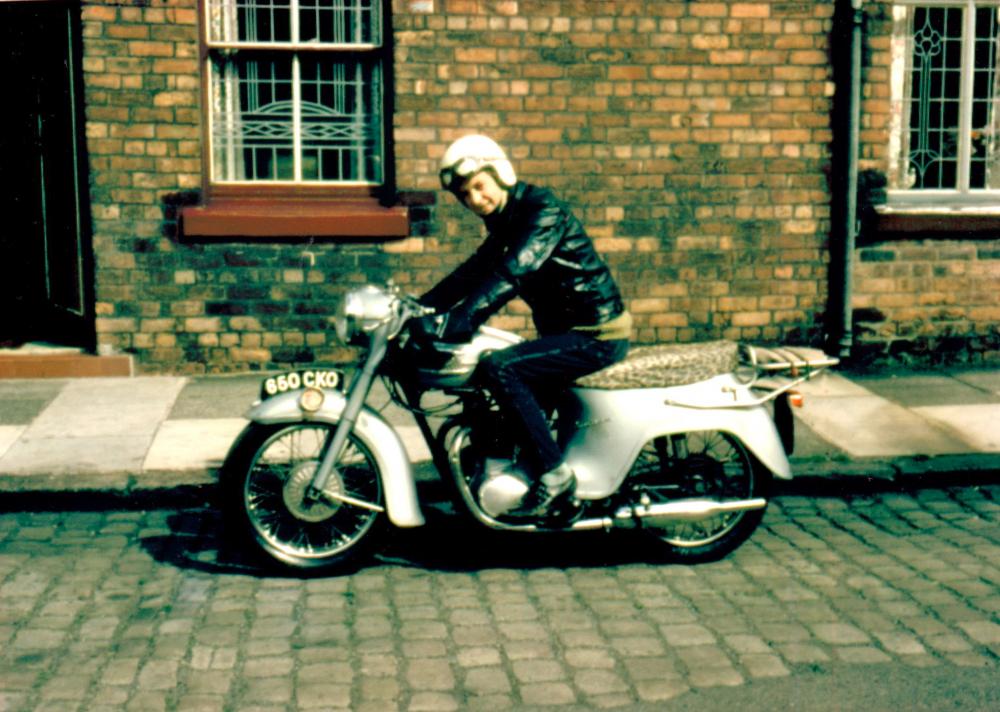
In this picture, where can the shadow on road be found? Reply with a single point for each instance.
(445, 543)
(449, 542)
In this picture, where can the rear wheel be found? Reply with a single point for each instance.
(265, 483)
(712, 465)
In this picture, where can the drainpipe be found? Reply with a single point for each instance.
(845, 200)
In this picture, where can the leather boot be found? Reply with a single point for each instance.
(549, 495)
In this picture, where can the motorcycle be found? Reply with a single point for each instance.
(678, 441)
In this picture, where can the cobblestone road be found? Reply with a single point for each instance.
(129, 610)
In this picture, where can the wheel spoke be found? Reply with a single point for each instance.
(709, 464)
(354, 501)
(294, 528)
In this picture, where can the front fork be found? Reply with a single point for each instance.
(357, 393)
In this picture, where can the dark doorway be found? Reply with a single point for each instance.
(46, 264)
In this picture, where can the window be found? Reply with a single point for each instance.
(295, 91)
(944, 148)
(295, 109)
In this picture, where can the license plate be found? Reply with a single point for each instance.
(326, 378)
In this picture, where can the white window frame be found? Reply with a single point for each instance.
(946, 199)
(222, 44)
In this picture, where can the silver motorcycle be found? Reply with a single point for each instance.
(678, 441)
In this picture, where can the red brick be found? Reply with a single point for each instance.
(709, 9)
(756, 9)
(476, 55)
(151, 49)
(627, 72)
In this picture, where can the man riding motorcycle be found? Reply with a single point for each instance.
(536, 249)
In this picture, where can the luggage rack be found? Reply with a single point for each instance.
(778, 369)
(796, 359)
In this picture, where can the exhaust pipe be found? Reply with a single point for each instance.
(687, 510)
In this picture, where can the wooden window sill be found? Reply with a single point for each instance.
(287, 218)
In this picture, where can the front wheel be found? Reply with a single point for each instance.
(264, 487)
(711, 465)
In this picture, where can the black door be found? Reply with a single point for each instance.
(46, 267)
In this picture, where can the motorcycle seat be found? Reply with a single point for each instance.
(665, 365)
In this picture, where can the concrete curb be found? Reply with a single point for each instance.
(125, 482)
(895, 467)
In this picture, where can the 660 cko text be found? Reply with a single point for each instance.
(301, 379)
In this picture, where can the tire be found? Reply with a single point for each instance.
(263, 485)
(703, 465)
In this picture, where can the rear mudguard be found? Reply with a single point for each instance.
(612, 426)
(376, 434)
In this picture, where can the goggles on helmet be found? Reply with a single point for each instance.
(460, 170)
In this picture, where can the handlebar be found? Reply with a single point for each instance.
(412, 307)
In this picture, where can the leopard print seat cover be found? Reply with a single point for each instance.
(666, 365)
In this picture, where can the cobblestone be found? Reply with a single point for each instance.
(131, 610)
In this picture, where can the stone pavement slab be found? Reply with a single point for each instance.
(94, 433)
(9, 435)
(927, 389)
(977, 424)
(216, 396)
(24, 400)
(107, 407)
(83, 456)
(197, 445)
(830, 384)
(811, 446)
(414, 443)
(864, 424)
(986, 380)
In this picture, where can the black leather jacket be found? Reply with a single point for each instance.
(537, 250)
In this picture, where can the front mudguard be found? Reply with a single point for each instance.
(376, 434)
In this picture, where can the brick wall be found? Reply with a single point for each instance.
(930, 301)
(691, 137)
(144, 140)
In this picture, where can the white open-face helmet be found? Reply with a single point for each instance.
(471, 154)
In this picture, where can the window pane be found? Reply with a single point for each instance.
(264, 21)
(250, 21)
(341, 22)
(255, 120)
(934, 102)
(252, 131)
(984, 168)
(341, 127)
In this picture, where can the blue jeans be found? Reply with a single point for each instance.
(516, 374)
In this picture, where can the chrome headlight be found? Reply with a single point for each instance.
(361, 311)
(311, 400)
